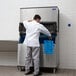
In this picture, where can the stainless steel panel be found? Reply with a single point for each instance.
(47, 14)
(48, 60)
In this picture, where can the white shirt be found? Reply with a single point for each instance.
(33, 30)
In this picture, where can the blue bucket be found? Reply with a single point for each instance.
(48, 47)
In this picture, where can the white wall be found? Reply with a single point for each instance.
(9, 18)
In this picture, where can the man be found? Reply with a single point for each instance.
(33, 30)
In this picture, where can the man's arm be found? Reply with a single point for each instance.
(44, 30)
(25, 22)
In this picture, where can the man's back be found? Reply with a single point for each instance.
(33, 30)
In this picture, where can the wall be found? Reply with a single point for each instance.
(9, 18)
(8, 53)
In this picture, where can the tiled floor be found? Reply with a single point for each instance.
(12, 71)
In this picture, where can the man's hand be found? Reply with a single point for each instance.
(30, 20)
(52, 31)
(50, 38)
